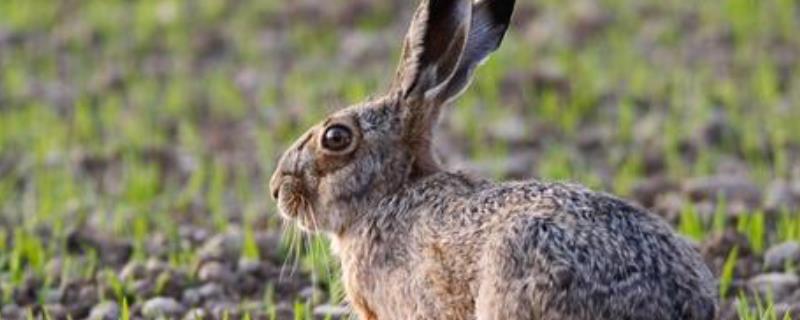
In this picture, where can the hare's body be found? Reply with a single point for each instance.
(450, 247)
(417, 242)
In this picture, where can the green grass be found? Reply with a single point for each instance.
(220, 88)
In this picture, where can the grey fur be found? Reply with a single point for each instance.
(418, 242)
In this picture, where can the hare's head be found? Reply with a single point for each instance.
(360, 154)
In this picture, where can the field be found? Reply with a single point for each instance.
(137, 138)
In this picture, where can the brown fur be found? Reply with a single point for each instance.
(418, 242)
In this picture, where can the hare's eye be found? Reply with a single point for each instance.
(337, 138)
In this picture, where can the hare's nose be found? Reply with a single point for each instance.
(276, 192)
(275, 184)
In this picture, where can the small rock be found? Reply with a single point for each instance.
(777, 257)
(75, 292)
(55, 311)
(208, 292)
(669, 206)
(787, 310)
(223, 309)
(735, 189)
(191, 298)
(162, 306)
(110, 250)
(155, 266)
(196, 314)
(250, 266)
(107, 310)
(330, 310)
(12, 311)
(193, 234)
(171, 283)
(269, 246)
(246, 284)
(222, 247)
(647, 191)
(211, 291)
(143, 288)
(133, 271)
(215, 272)
(88, 293)
(780, 196)
(157, 245)
(284, 310)
(777, 284)
(312, 294)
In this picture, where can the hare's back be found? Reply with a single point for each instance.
(586, 255)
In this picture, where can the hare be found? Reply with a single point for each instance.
(418, 242)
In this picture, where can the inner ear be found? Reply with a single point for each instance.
(433, 47)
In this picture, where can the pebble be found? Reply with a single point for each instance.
(223, 309)
(647, 191)
(133, 271)
(208, 292)
(331, 310)
(787, 310)
(193, 234)
(269, 246)
(735, 189)
(246, 284)
(143, 288)
(155, 266)
(172, 283)
(250, 266)
(215, 272)
(191, 298)
(223, 247)
(110, 250)
(196, 314)
(55, 311)
(312, 294)
(107, 310)
(777, 257)
(776, 284)
(162, 306)
(669, 206)
(211, 291)
(157, 245)
(11, 311)
(780, 196)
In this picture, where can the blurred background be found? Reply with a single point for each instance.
(137, 138)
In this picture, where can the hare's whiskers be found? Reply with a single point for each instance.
(293, 253)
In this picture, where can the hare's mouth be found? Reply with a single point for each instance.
(293, 203)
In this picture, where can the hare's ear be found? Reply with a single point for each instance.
(433, 47)
(490, 20)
